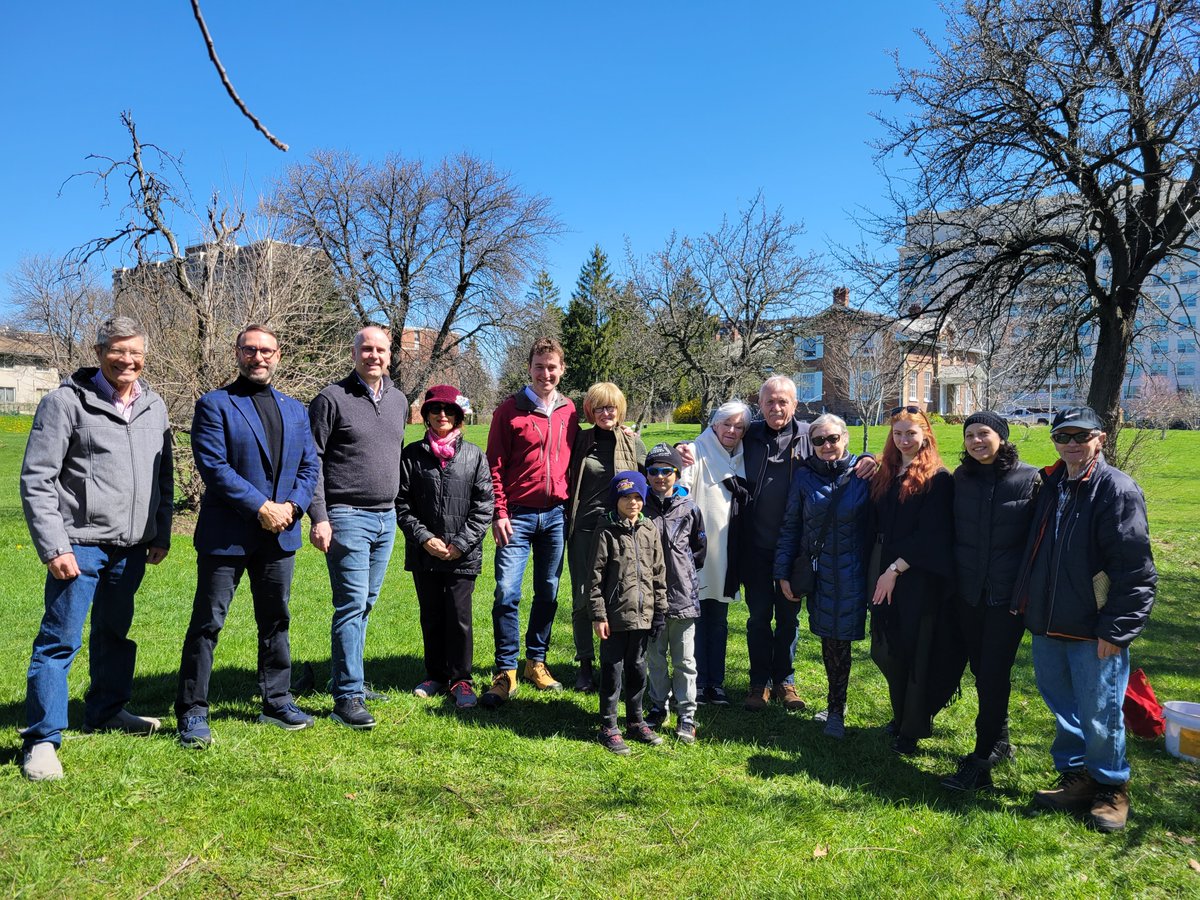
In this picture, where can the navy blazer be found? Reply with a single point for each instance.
(229, 446)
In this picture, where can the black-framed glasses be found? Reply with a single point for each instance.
(660, 471)
(913, 410)
(605, 410)
(250, 352)
(826, 439)
(1079, 437)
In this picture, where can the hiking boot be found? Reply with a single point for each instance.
(973, 774)
(352, 712)
(757, 698)
(194, 733)
(835, 724)
(289, 717)
(643, 734)
(464, 695)
(1073, 793)
(1110, 807)
(429, 688)
(504, 686)
(904, 745)
(685, 730)
(656, 717)
(611, 740)
(40, 762)
(126, 722)
(585, 681)
(786, 694)
(539, 676)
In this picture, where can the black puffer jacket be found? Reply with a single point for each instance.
(680, 527)
(992, 514)
(1102, 534)
(454, 503)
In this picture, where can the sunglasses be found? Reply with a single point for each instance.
(660, 471)
(1079, 437)
(826, 439)
(912, 410)
(434, 409)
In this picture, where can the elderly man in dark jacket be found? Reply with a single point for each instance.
(1086, 589)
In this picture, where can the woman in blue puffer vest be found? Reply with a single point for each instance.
(822, 553)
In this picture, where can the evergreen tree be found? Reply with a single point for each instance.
(546, 320)
(589, 329)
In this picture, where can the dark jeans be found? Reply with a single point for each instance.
(771, 649)
(445, 601)
(579, 563)
(836, 655)
(712, 635)
(623, 653)
(992, 636)
(217, 578)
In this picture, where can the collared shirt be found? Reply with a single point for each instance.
(124, 407)
(545, 406)
(375, 394)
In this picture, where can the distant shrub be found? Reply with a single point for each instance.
(687, 412)
(953, 420)
(936, 418)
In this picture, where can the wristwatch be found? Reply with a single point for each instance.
(894, 568)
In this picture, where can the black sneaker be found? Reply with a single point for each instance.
(716, 696)
(643, 734)
(972, 775)
(289, 718)
(656, 717)
(685, 731)
(352, 713)
(904, 745)
(1002, 752)
(611, 740)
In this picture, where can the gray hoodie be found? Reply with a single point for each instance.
(90, 477)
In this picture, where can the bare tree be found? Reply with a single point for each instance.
(442, 249)
(730, 302)
(1049, 161)
(63, 301)
(860, 362)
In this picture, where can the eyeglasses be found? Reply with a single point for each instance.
(135, 355)
(660, 471)
(605, 410)
(826, 439)
(912, 410)
(264, 352)
(1079, 437)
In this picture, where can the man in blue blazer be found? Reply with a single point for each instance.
(254, 451)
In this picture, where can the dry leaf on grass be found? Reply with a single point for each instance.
(819, 851)
(1193, 865)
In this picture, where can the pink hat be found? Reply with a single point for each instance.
(449, 395)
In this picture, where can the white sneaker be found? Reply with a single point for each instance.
(127, 722)
(40, 763)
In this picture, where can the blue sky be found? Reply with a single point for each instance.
(635, 119)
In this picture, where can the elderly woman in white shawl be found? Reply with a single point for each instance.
(716, 483)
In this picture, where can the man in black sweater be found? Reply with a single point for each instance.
(358, 428)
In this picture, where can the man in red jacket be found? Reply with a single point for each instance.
(529, 448)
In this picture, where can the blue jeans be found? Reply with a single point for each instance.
(108, 578)
(357, 560)
(539, 531)
(1085, 694)
(771, 650)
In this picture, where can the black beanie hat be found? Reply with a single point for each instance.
(992, 420)
(664, 453)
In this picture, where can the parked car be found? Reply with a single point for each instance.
(1025, 415)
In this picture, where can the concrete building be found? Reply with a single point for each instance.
(26, 373)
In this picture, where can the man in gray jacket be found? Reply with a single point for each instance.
(97, 489)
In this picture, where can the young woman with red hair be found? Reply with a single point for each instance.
(912, 566)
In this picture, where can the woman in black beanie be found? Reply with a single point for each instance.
(993, 509)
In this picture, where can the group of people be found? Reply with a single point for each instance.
(953, 567)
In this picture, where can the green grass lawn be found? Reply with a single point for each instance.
(523, 802)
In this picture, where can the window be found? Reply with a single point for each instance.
(809, 387)
(1158, 369)
(928, 386)
(1188, 277)
(1188, 301)
(1186, 347)
(1162, 348)
(8, 395)
(912, 385)
(1185, 369)
(812, 347)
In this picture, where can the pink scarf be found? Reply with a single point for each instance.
(443, 448)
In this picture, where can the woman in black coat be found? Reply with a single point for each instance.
(993, 511)
(911, 570)
(444, 509)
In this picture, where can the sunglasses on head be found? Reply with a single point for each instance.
(826, 439)
(912, 410)
(660, 471)
(1079, 437)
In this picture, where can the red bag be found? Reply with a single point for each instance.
(1143, 714)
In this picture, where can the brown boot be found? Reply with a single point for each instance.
(539, 676)
(1072, 793)
(1110, 807)
(786, 694)
(758, 698)
(504, 685)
